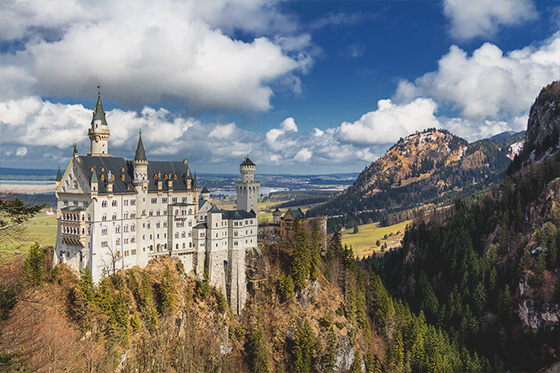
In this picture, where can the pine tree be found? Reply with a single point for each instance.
(303, 348)
(167, 289)
(329, 358)
(33, 268)
(285, 287)
(258, 352)
(301, 262)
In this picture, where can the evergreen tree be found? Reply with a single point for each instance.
(329, 358)
(167, 293)
(285, 287)
(301, 262)
(304, 348)
(33, 268)
(258, 352)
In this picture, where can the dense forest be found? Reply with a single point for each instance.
(306, 313)
(489, 275)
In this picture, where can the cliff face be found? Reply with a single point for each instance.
(544, 118)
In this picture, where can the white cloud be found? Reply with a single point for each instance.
(488, 84)
(21, 151)
(390, 122)
(288, 125)
(303, 155)
(474, 18)
(177, 51)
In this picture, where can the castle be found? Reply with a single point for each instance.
(115, 214)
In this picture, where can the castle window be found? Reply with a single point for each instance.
(151, 213)
(184, 199)
(176, 246)
(165, 224)
(190, 234)
(164, 200)
(75, 184)
(149, 225)
(133, 228)
(174, 199)
(154, 200)
(126, 241)
(103, 203)
(190, 223)
(158, 225)
(190, 211)
(104, 244)
(114, 216)
(176, 234)
(132, 202)
(184, 246)
(133, 215)
(126, 215)
(183, 234)
(118, 241)
(176, 212)
(114, 203)
(125, 229)
(143, 212)
(103, 231)
(125, 202)
(118, 229)
(65, 202)
(133, 239)
(157, 213)
(164, 212)
(104, 218)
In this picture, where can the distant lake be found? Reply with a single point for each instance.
(229, 192)
(27, 182)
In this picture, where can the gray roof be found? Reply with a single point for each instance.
(205, 190)
(247, 162)
(140, 154)
(236, 214)
(98, 112)
(119, 167)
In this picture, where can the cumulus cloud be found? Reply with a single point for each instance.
(390, 122)
(474, 18)
(488, 85)
(21, 151)
(175, 52)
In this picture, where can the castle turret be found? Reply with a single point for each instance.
(247, 190)
(276, 216)
(58, 178)
(205, 194)
(99, 132)
(140, 164)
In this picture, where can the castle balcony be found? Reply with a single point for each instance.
(73, 226)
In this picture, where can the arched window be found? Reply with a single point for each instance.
(184, 245)
(114, 203)
(104, 218)
(114, 216)
(118, 229)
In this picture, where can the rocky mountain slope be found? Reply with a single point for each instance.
(490, 275)
(432, 166)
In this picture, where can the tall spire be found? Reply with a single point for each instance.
(98, 112)
(140, 155)
(58, 175)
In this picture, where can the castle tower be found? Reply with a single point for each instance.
(247, 190)
(99, 132)
(205, 194)
(276, 217)
(140, 164)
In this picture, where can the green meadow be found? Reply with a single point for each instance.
(364, 242)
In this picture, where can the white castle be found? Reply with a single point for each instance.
(115, 214)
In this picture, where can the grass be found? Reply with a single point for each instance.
(364, 242)
(41, 229)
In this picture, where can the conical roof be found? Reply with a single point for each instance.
(247, 162)
(58, 175)
(98, 112)
(140, 154)
(94, 177)
(205, 190)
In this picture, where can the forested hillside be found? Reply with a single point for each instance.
(489, 276)
(305, 313)
(433, 166)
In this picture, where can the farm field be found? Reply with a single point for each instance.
(364, 242)
(41, 229)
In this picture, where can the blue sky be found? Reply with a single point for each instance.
(299, 86)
